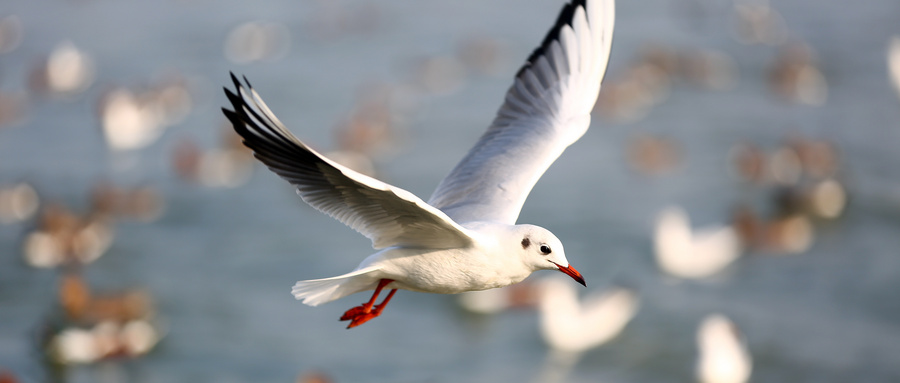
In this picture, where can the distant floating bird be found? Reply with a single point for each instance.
(785, 234)
(105, 340)
(133, 119)
(574, 326)
(466, 238)
(722, 355)
(571, 326)
(98, 327)
(63, 238)
(827, 199)
(128, 122)
(66, 71)
(685, 252)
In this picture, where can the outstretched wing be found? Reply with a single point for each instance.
(387, 215)
(546, 110)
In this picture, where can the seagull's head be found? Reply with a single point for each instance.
(543, 251)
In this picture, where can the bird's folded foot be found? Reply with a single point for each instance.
(356, 312)
(360, 318)
(363, 313)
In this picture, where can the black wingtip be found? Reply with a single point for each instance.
(260, 132)
(564, 18)
(236, 115)
(235, 100)
(232, 116)
(233, 94)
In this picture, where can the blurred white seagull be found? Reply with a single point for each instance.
(722, 352)
(688, 253)
(574, 326)
(571, 326)
(465, 238)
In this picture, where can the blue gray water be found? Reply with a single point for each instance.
(220, 262)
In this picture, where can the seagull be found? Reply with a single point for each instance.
(465, 238)
(693, 254)
(722, 352)
(571, 326)
(574, 326)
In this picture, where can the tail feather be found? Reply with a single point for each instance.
(317, 291)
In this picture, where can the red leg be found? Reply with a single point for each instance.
(387, 299)
(361, 314)
(363, 318)
(365, 308)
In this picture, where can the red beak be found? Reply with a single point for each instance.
(570, 271)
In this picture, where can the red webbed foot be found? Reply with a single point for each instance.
(362, 314)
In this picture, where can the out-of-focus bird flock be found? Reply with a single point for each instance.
(790, 191)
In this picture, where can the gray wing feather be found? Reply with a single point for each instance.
(387, 215)
(546, 109)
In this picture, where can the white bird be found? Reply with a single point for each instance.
(723, 357)
(465, 238)
(571, 326)
(574, 326)
(687, 253)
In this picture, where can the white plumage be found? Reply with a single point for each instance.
(465, 238)
(687, 253)
(722, 356)
(572, 325)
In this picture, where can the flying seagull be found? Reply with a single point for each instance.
(465, 238)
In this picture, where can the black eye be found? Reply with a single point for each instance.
(545, 249)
